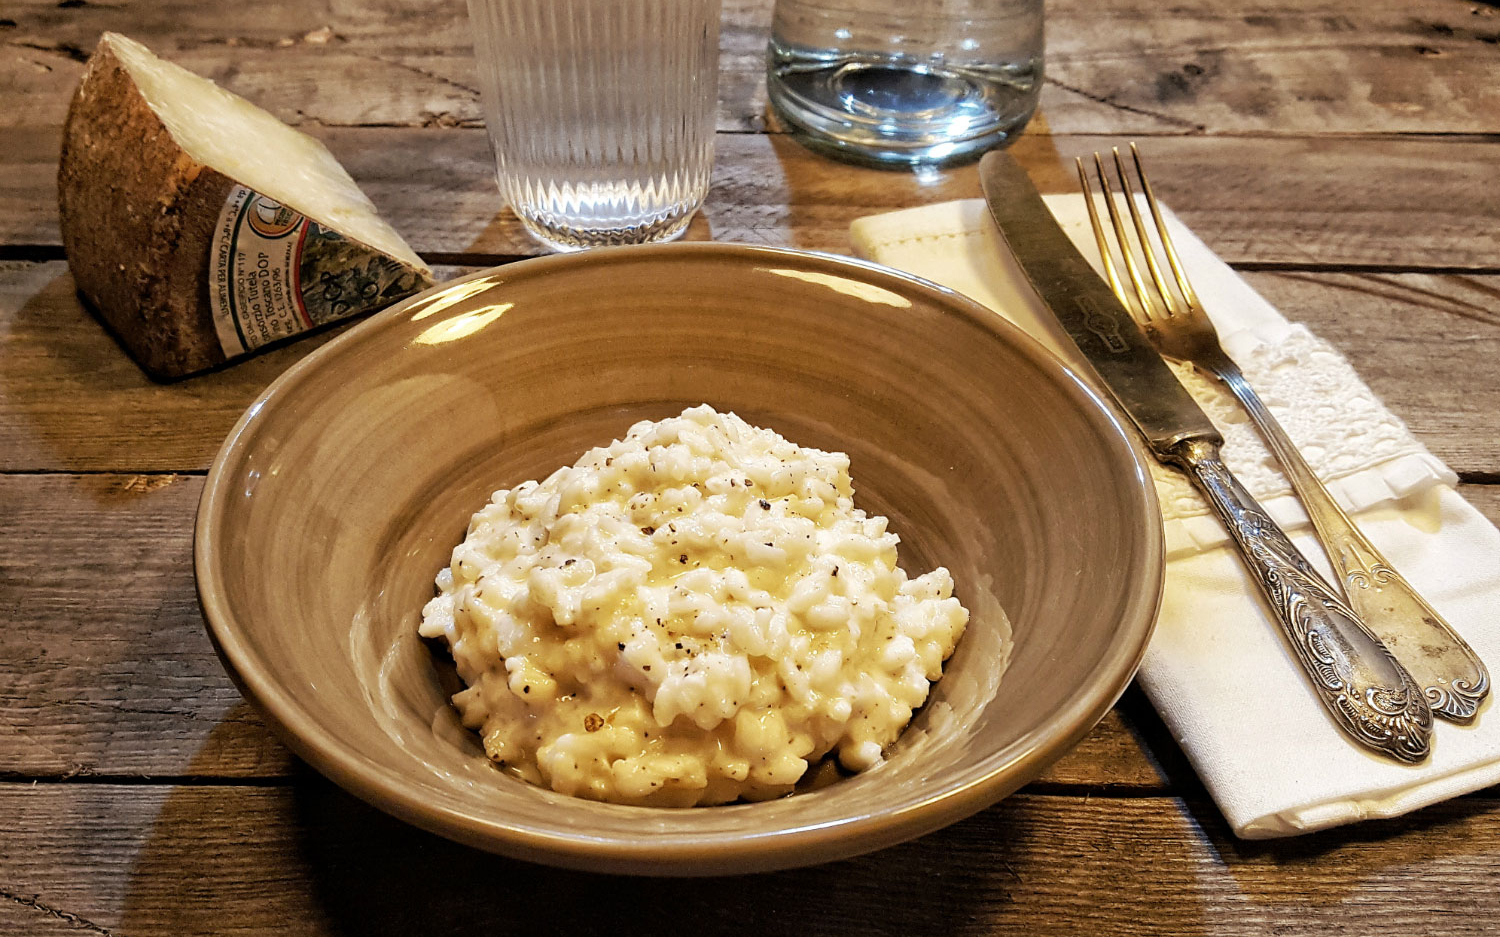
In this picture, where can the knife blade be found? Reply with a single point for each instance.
(1083, 303)
(1366, 692)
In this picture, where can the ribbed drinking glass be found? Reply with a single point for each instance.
(601, 113)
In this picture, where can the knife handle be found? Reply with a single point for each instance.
(1450, 673)
(1366, 691)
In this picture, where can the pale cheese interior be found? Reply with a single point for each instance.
(247, 144)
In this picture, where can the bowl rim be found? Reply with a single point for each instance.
(991, 779)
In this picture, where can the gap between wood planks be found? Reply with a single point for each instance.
(44, 253)
(14, 780)
(1464, 477)
(1119, 791)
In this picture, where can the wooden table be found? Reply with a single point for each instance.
(1344, 156)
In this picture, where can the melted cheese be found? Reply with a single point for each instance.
(689, 615)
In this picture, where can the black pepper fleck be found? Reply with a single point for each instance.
(765, 505)
(648, 531)
(620, 646)
(682, 558)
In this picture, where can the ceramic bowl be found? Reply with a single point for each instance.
(343, 489)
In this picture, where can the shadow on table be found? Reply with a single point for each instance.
(71, 398)
(374, 876)
(306, 858)
(1327, 869)
(293, 854)
(1448, 846)
(1434, 856)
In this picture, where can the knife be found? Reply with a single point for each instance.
(1369, 695)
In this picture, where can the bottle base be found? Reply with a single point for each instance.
(899, 114)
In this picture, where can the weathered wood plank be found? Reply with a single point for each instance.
(320, 63)
(105, 667)
(70, 400)
(311, 860)
(1409, 202)
(1421, 342)
(1305, 201)
(28, 186)
(116, 675)
(1302, 66)
(63, 378)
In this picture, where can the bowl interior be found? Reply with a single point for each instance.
(343, 491)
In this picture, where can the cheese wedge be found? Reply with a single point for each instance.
(201, 228)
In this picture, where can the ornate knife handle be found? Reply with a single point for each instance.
(1370, 696)
(1449, 672)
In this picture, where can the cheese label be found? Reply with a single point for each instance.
(274, 272)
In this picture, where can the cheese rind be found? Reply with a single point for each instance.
(148, 164)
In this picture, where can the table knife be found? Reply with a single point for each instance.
(1368, 694)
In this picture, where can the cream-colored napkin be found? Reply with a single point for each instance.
(1217, 669)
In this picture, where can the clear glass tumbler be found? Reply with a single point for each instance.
(905, 81)
(601, 113)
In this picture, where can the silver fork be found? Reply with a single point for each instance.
(1451, 675)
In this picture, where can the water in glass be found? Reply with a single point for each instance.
(601, 113)
(905, 81)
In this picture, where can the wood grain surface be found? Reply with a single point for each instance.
(1291, 201)
(73, 402)
(311, 860)
(1298, 66)
(1343, 156)
(118, 678)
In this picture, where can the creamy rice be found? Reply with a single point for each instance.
(690, 615)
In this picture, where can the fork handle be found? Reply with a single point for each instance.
(1451, 675)
(1368, 694)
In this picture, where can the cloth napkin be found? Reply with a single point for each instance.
(1217, 669)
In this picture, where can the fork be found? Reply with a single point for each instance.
(1451, 675)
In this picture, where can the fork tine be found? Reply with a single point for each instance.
(1168, 299)
(1148, 307)
(1099, 237)
(1161, 229)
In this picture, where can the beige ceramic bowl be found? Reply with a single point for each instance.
(343, 489)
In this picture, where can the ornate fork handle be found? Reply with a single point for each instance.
(1451, 675)
(1364, 689)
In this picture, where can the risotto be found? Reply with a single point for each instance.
(690, 615)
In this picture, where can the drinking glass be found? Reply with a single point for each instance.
(601, 113)
(905, 81)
